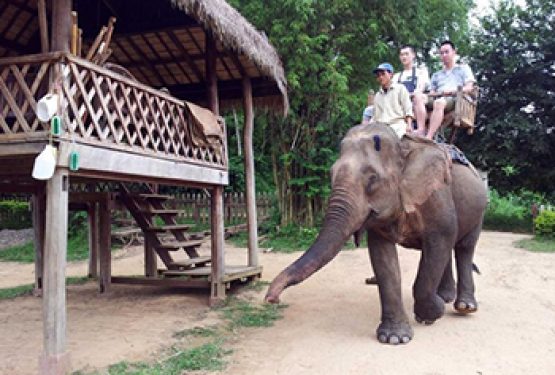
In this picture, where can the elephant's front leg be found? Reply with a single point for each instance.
(394, 327)
(436, 254)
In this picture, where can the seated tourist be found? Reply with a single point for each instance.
(416, 81)
(369, 110)
(444, 86)
(392, 104)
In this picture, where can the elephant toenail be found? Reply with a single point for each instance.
(405, 339)
(382, 338)
(394, 340)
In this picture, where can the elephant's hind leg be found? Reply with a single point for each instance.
(464, 254)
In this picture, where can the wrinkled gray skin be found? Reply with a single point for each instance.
(406, 192)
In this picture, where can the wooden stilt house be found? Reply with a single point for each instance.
(131, 92)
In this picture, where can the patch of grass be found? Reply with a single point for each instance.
(244, 314)
(77, 249)
(197, 332)
(23, 290)
(208, 357)
(537, 244)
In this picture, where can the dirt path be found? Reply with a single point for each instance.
(328, 327)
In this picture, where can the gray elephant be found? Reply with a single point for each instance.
(407, 192)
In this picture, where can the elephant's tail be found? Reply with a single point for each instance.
(476, 269)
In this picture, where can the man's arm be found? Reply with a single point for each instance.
(468, 79)
(406, 104)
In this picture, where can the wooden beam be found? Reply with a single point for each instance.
(174, 56)
(55, 357)
(145, 59)
(249, 172)
(185, 55)
(61, 25)
(211, 78)
(217, 293)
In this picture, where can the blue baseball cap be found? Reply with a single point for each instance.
(384, 66)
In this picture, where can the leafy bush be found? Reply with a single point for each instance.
(15, 215)
(509, 213)
(544, 224)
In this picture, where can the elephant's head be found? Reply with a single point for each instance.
(376, 181)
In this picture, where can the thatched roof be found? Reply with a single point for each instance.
(162, 43)
(236, 33)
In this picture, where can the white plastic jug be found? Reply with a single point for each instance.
(45, 163)
(47, 107)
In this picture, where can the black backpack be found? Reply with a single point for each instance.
(410, 85)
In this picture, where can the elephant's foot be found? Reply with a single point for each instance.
(466, 304)
(394, 333)
(428, 311)
(447, 293)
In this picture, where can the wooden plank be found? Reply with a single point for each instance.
(192, 261)
(165, 228)
(249, 172)
(151, 267)
(99, 163)
(217, 290)
(178, 244)
(21, 149)
(54, 283)
(240, 272)
(163, 211)
(173, 282)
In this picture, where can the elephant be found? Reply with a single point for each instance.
(400, 191)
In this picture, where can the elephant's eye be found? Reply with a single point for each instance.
(372, 179)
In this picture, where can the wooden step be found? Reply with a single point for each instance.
(152, 196)
(188, 263)
(196, 272)
(231, 272)
(178, 244)
(154, 211)
(164, 228)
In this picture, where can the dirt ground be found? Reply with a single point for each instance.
(328, 328)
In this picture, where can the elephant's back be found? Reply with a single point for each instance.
(470, 197)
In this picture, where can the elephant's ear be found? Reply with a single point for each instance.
(427, 169)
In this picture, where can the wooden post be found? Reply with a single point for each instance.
(94, 238)
(39, 222)
(217, 293)
(105, 255)
(61, 25)
(151, 268)
(211, 78)
(43, 26)
(55, 358)
(249, 172)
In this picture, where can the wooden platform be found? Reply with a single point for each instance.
(230, 272)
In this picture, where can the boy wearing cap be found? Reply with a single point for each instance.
(392, 104)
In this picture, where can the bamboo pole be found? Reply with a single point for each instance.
(249, 172)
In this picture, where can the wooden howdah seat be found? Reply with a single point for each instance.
(463, 115)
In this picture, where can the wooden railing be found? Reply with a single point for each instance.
(101, 108)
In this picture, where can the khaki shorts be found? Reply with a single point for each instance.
(449, 106)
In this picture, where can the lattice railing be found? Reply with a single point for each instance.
(102, 108)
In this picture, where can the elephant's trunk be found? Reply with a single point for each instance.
(339, 223)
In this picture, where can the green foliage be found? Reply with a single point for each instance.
(512, 55)
(507, 213)
(197, 332)
(77, 249)
(15, 215)
(544, 224)
(537, 244)
(328, 49)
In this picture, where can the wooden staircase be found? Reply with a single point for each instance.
(166, 238)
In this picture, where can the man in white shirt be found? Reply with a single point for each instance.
(416, 80)
(392, 103)
(444, 85)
